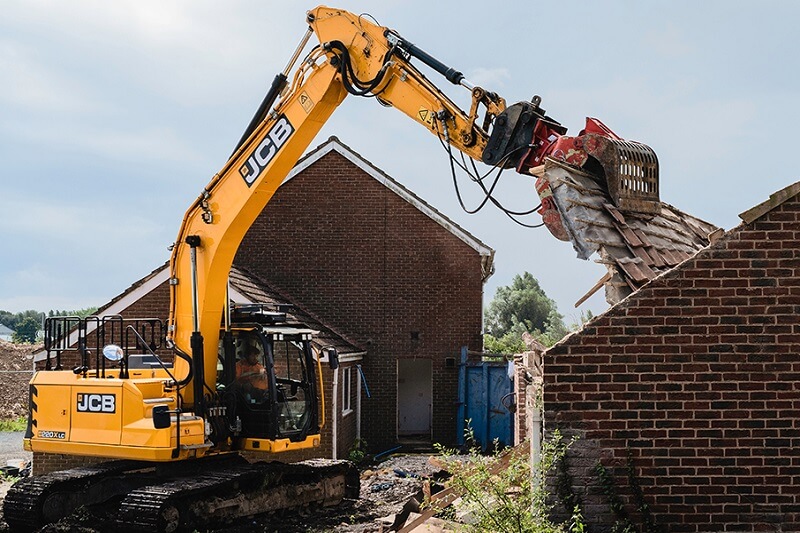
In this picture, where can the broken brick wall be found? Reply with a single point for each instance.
(376, 269)
(696, 378)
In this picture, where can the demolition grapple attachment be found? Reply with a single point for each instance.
(524, 136)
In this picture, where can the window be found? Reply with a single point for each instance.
(346, 389)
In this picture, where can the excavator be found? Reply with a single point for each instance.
(174, 432)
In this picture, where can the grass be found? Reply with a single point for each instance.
(14, 424)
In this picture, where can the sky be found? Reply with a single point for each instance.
(114, 115)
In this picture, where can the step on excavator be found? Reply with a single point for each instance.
(246, 379)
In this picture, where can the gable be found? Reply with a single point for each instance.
(775, 200)
(334, 145)
(738, 266)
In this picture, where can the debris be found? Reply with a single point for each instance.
(635, 247)
(402, 473)
(381, 486)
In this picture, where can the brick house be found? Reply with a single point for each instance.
(393, 283)
(357, 249)
(693, 380)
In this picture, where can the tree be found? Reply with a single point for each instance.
(27, 330)
(27, 324)
(519, 307)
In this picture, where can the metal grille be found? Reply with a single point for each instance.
(638, 171)
(631, 172)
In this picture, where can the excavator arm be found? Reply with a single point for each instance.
(358, 57)
(355, 56)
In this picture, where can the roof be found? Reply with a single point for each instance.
(634, 247)
(4, 330)
(333, 144)
(775, 200)
(245, 288)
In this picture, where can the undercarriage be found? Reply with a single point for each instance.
(198, 494)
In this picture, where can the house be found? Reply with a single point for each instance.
(686, 392)
(393, 283)
(372, 260)
(6, 333)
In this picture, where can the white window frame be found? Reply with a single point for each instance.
(347, 387)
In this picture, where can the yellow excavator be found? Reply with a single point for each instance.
(173, 431)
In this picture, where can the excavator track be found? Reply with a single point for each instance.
(219, 497)
(35, 501)
(176, 497)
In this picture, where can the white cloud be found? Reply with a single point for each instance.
(31, 85)
(669, 41)
(111, 142)
(71, 225)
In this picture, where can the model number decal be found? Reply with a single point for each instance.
(266, 150)
(52, 435)
(96, 403)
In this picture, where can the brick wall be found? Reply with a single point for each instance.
(696, 377)
(375, 268)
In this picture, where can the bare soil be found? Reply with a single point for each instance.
(16, 369)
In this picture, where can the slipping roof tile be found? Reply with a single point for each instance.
(634, 247)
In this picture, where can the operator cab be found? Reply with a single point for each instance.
(267, 375)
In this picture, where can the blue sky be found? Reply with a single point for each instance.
(114, 115)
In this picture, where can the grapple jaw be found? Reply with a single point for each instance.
(630, 171)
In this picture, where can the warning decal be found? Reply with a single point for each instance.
(426, 116)
(306, 102)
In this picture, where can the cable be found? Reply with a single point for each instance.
(477, 178)
(358, 87)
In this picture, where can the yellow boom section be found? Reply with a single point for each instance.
(218, 220)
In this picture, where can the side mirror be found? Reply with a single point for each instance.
(161, 417)
(333, 358)
(113, 353)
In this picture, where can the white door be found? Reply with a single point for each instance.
(414, 397)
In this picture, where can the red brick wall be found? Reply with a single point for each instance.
(375, 268)
(697, 376)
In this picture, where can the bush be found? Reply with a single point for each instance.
(14, 424)
(508, 498)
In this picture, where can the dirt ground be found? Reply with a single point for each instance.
(385, 487)
(16, 363)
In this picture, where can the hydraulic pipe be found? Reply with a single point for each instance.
(196, 340)
(452, 75)
(278, 84)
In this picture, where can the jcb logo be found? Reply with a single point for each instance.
(266, 150)
(97, 403)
